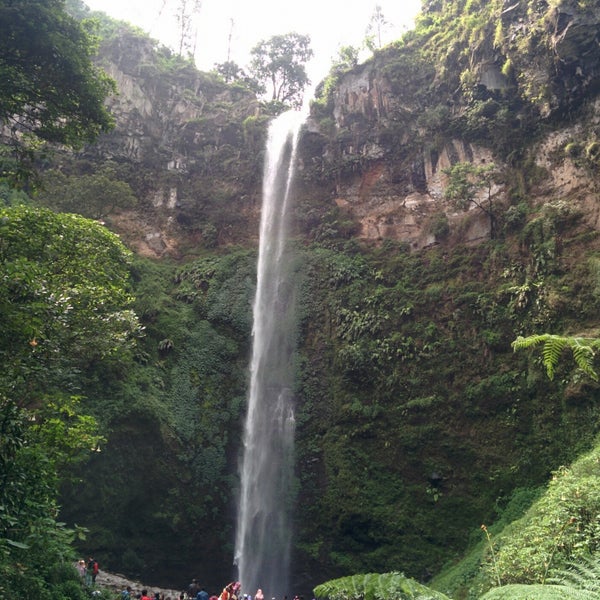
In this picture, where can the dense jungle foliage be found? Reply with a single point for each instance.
(427, 450)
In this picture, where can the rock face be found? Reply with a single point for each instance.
(176, 133)
(392, 144)
(158, 97)
(395, 193)
(404, 210)
(574, 50)
(193, 144)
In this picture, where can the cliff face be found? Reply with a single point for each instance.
(179, 127)
(398, 197)
(175, 127)
(391, 125)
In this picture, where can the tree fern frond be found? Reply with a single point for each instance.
(372, 586)
(583, 574)
(538, 592)
(529, 341)
(583, 350)
(363, 587)
(584, 356)
(553, 347)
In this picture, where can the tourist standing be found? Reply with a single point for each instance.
(81, 568)
(202, 594)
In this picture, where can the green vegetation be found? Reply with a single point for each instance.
(168, 467)
(405, 350)
(559, 528)
(392, 586)
(583, 350)
(94, 196)
(50, 89)
(539, 592)
(65, 305)
(465, 184)
(279, 63)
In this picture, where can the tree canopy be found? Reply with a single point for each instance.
(278, 64)
(64, 298)
(94, 196)
(49, 86)
(64, 304)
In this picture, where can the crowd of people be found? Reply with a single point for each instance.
(88, 571)
(232, 591)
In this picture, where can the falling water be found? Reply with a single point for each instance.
(263, 530)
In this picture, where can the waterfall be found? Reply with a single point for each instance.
(263, 537)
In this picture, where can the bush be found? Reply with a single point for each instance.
(561, 526)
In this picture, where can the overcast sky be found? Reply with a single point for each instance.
(330, 24)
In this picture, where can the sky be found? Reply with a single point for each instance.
(329, 23)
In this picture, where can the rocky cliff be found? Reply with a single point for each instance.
(390, 130)
(187, 144)
(524, 94)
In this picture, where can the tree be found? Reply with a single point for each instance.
(375, 28)
(64, 304)
(185, 16)
(94, 196)
(347, 57)
(465, 184)
(64, 298)
(48, 85)
(279, 63)
(230, 71)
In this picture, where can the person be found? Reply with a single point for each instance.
(81, 568)
(89, 570)
(126, 593)
(227, 592)
(202, 594)
(95, 569)
(145, 595)
(259, 595)
(235, 590)
(193, 588)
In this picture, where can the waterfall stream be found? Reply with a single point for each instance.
(263, 536)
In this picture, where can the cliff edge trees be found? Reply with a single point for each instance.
(279, 64)
(64, 301)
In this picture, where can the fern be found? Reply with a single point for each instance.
(372, 586)
(584, 355)
(583, 350)
(538, 592)
(583, 575)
